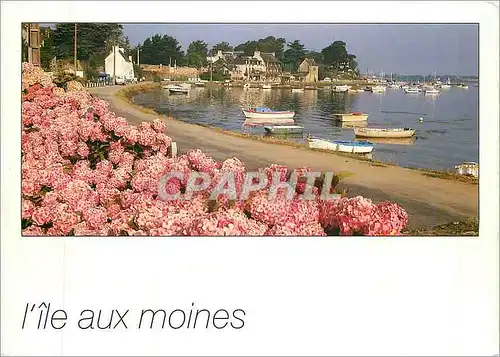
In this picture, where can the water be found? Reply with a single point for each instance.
(447, 136)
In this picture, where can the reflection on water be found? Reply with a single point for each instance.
(447, 125)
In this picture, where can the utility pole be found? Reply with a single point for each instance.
(75, 48)
(114, 62)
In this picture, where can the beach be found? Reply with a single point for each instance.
(429, 201)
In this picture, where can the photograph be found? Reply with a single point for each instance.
(249, 129)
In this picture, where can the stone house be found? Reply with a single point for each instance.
(259, 67)
(309, 70)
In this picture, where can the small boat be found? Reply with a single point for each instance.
(310, 88)
(378, 89)
(468, 168)
(178, 90)
(284, 129)
(266, 86)
(356, 147)
(431, 91)
(462, 85)
(199, 84)
(341, 89)
(359, 90)
(384, 132)
(264, 112)
(355, 116)
(412, 90)
(297, 90)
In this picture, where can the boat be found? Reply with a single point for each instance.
(412, 90)
(176, 89)
(431, 91)
(297, 90)
(266, 86)
(264, 112)
(462, 85)
(378, 89)
(354, 90)
(284, 129)
(355, 116)
(384, 132)
(310, 88)
(468, 168)
(199, 84)
(351, 124)
(356, 147)
(341, 89)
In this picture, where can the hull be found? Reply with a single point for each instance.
(178, 90)
(351, 117)
(267, 121)
(378, 89)
(266, 86)
(383, 133)
(268, 115)
(297, 90)
(393, 141)
(411, 90)
(341, 146)
(284, 129)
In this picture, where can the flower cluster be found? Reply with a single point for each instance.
(86, 171)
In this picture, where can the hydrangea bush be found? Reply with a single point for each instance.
(86, 171)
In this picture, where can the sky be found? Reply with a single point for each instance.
(397, 48)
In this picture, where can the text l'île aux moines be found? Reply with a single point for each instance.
(43, 316)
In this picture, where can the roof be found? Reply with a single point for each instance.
(268, 57)
(244, 60)
(124, 57)
(310, 61)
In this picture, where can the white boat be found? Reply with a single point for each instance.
(199, 84)
(412, 90)
(431, 91)
(356, 90)
(284, 129)
(297, 90)
(341, 89)
(356, 147)
(378, 89)
(265, 113)
(178, 90)
(384, 132)
(355, 116)
(468, 168)
(266, 86)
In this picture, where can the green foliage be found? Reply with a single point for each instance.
(197, 54)
(160, 50)
(268, 44)
(294, 55)
(47, 49)
(156, 78)
(94, 41)
(221, 46)
(337, 57)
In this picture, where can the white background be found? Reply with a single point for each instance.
(349, 296)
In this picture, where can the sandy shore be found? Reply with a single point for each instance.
(429, 201)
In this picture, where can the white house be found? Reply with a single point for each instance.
(123, 65)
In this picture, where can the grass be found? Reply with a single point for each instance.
(467, 227)
(129, 92)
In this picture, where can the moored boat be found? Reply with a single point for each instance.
(384, 132)
(297, 90)
(264, 112)
(468, 168)
(431, 91)
(412, 90)
(378, 89)
(284, 129)
(266, 86)
(341, 89)
(355, 116)
(356, 147)
(178, 89)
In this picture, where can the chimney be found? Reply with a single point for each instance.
(219, 53)
(256, 53)
(130, 58)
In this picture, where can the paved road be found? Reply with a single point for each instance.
(428, 201)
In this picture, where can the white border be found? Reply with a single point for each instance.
(308, 296)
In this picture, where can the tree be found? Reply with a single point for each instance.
(47, 49)
(338, 59)
(268, 44)
(316, 56)
(162, 50)
(94, 41)
(221, 46)
(197, 54)
(294, 55)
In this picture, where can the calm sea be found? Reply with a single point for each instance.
(446, 136)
